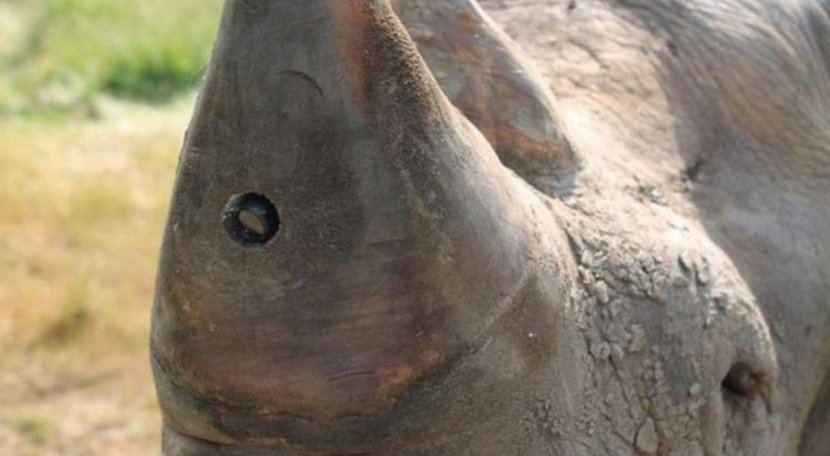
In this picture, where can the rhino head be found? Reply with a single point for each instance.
(371, 252)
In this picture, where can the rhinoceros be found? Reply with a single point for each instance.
(513, 227)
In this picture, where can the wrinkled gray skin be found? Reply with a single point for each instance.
(713, 117)
(675, 301)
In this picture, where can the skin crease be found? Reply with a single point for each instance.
(674, 302)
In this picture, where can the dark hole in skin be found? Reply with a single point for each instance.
(694, 171)
(251, 219)
(743, 382)
(571, 5)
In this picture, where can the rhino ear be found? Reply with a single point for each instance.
(487, 77)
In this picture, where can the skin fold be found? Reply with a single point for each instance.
(398, 229)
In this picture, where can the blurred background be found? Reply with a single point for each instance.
(95, 96)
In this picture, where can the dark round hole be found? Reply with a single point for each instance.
(742, 381)
(251, 219)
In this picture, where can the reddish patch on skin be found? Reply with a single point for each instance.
(399, 377)
(351, 20)
(396, 376)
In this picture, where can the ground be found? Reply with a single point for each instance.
(82, 206)
(94, 100)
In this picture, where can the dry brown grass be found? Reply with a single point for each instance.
(82, 206)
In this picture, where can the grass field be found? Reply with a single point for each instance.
(59, 55)
(94, 100)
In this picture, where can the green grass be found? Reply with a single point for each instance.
(59, 55)
(37, 427)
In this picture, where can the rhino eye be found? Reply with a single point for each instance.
(742, 381)
(251, 219)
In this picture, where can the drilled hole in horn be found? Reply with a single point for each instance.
(251, 219)
(742, 381)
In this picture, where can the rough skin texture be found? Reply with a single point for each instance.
(422, 299)
(720, 109)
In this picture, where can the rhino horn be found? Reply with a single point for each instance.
(338, 231)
